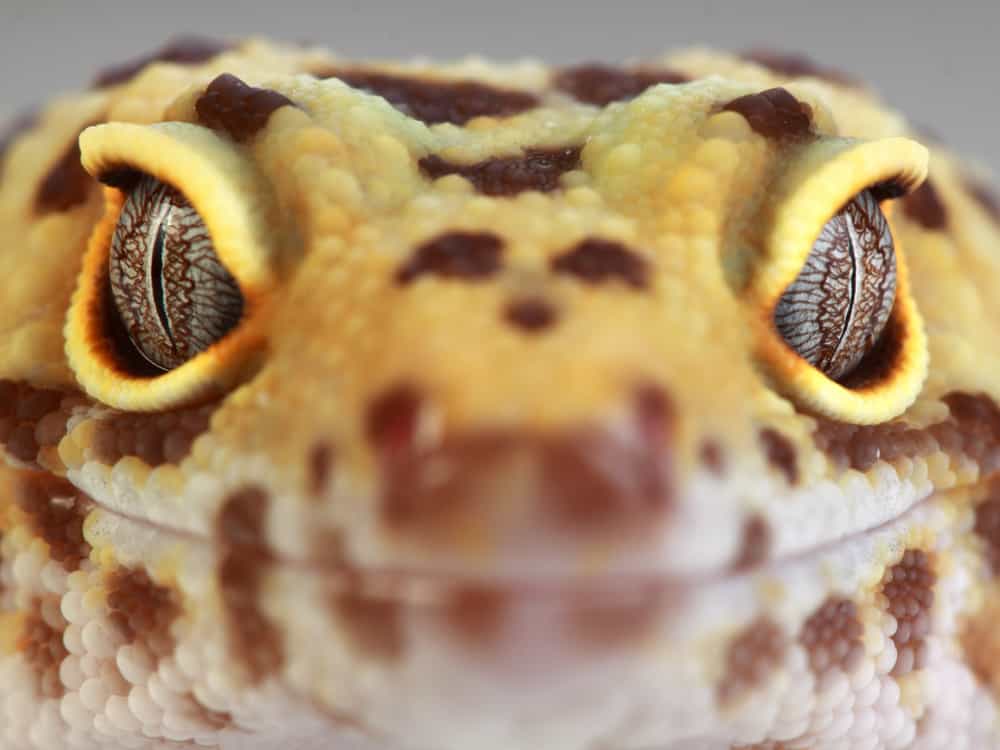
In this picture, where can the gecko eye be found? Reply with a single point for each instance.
(838, 306)
(173, 295)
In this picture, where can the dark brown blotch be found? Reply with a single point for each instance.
(244, 560)
(531, 315)
(780, 453)
(752, 657)
(320, 465)
(987, 524)
(797, 66)
(601, 85)
(972, 429)
(185, 50)
(908, 590)
(55, 510)
(476, 614)
(156, 439)
(67, 184)
(713, 457)
(925, 207)
(232, 106)
(373, 623)
(141, 609)
(436, 101)
(32, 420)
(393, 419)
(597, 260)
(41, 644)
(755, 546)
(831, 636)
(470, 256)
(536, 169)
(774, 113)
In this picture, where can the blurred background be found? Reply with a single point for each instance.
(938, 62)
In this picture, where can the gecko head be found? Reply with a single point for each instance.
(572, 347)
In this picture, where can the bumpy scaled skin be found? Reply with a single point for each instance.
(504, 451)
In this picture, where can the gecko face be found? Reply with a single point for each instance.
(377, 374)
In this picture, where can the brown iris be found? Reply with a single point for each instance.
(174, 296)
(838, 306)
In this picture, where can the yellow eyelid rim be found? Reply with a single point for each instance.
(823, 178)
(232, 200)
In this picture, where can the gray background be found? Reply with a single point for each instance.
(938, 62)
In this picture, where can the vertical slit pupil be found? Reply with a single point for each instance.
(156, 271)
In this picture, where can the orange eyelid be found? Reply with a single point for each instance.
(821, 180)
(241, 241)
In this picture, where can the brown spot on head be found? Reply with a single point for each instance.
(983, 194)
(756, 544)
(832, 636)
(56, 511)
(908, 589)
(393, 420)
(531, 315)
(42, 646)
(141, 609)
(713, 457)
(232, 106)
(595, 261)
(436, 101)
(185, 50)
(924, 206)
(753, 655)
(67, 184)
(471, 256)
(244, 558)
(601, 85)
(373, 623)
(774, 113)
(987, 525)
(780, 453)
(537, 169)
(796, 66)
(320, 466)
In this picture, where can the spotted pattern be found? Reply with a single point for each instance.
(925, 207)
(470, 256)
(43, 647)
(245, 557)
(774, 114)
(908, 591)
(32, 420)
(987, 524)
(780, 453)
(232, 106)
(972, 429)
(832, 636)
(66, 185)
(436, 101)
(596, 260)
(164, 438)
(373, 623)
(755, 545)
(752, 657)
(141, 609)
(601, 85)
(536, 169)
(56, 511)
